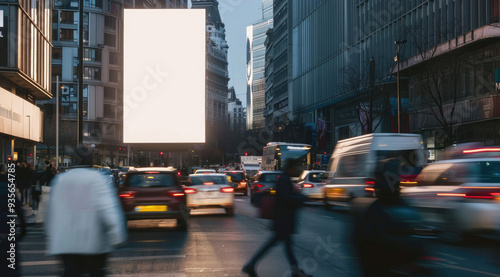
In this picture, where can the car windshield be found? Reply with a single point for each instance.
(151, 180)
(207, 180)
(235, 176)
(270, 177)
(316, 177)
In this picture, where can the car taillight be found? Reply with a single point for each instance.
(258, 187)
(208, 183)
(307, 185)
(176, 193)
(370, 182)
(369, 189)
(475, 193)
(228, 189)
(127, 194)
(189, 190)
(243, 183)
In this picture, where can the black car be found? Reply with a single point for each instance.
(154, 193)
(264, 181)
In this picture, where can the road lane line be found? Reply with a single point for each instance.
(112, 259)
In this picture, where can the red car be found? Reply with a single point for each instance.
(154, 193)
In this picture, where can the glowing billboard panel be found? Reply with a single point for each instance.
(164, 76)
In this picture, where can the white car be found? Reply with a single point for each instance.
(205, 171)
(461, 195)
(312, 184)
(209, 191)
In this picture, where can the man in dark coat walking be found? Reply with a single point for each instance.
(286, 204)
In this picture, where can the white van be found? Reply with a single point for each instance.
(351, 169)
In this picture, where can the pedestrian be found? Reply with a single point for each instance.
(84, 220)
(285, 208)
(383, 232)
(44, 195)
(51, 171)
(8, 267)
(39, 180)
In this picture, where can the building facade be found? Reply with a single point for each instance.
(103, 75)
(344, 62)
(216, 82)
(256, 52)
(25, 51)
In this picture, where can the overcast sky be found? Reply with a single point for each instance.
(237, 15)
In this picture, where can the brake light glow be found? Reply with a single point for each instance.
(228, 189)
(243, 183)
(151, 172)
(481, 150)
(452, 194)
(189, 190)
(259, 185)
(369, 189)
(128, 194)
(307, 185)
(177, 193)
(408, 183)
(370, 182)
(208, 183)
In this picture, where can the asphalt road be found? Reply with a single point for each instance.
(219, 245)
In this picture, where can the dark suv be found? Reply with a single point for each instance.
(154, 193)
(239, 181)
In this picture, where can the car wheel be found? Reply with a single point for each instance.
(230, 211)
(182, 224)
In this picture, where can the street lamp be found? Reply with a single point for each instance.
(398, 43)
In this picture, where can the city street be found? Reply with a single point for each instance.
(219, 245)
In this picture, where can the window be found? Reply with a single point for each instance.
(56, 53)
(92, 55)
(114, 76)
(110, 23)
(93, 3)
(109, 93)
(68, 35)
(115, 58)
(92, 73)
(151, 180)
(67, 17)
(110, 40)
(109, 111)
(351, 166)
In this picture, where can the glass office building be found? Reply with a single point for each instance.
(332, 41)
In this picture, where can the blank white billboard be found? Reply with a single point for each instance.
(164, 76)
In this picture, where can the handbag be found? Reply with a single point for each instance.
(267, 207)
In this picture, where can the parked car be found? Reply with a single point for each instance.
(264, 181)
(460, 195)
(351, 169)
(209, 191)
(238, 178)
(154, 193)
(311, 183)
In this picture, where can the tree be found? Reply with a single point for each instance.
(370, 97)
(437, 71)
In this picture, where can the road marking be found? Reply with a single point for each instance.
(467, 269)
(451, 256)
(205, 269)
(113, 259)
(240, 200)
(330, 217)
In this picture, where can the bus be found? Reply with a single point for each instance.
(275, 155)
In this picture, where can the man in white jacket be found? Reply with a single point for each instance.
(84, 220)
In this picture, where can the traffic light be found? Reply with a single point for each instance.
(161, 153)
(246, 153)
(9, 158)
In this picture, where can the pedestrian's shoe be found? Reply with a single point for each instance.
(249, 269)
(297, 272)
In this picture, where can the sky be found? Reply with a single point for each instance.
(237, 15)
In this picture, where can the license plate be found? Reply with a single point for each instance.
(151, 208)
